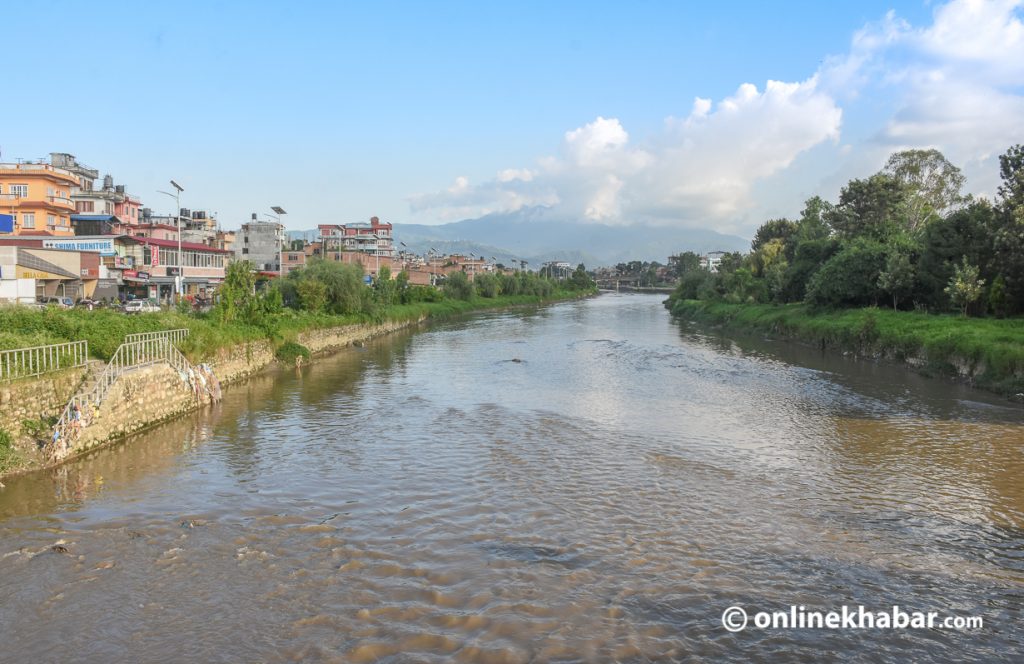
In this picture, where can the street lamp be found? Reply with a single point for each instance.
(180, 278)
(278, 210)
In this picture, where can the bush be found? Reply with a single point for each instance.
(7, 453)
(850, 278)
(457, 286)
(289, 351)
(487, 285)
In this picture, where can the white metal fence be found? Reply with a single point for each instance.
(127, 357)
(26, 362)
(173, 335)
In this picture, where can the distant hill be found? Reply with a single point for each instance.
(533, 235)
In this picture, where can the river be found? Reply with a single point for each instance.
(588, 481)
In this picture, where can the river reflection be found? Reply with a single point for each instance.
(591, 481)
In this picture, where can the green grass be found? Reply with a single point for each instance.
(21, 327)
(995, 347)
(8, 455)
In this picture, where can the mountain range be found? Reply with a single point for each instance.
(532, 234)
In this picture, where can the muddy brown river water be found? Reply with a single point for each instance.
(590, 481)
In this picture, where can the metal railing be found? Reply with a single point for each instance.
(26, 362)
(174, 335)
(128, 357)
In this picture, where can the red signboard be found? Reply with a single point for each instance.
(155, 252)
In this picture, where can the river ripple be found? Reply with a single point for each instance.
(590, 481)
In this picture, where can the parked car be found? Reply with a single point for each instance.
(62, 302)
(88, 303)
(141, 307)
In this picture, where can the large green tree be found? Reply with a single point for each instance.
(871, 208)
(931, 183)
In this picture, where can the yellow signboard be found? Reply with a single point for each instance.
(27, 273)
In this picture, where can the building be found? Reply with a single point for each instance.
(711, 260)
(293, 260)
(200, 267)
(109, 200)
(29, 269)
(372, 239)
(38, 197)
(261, 243)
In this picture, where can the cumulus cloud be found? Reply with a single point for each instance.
(702, 164)
(954, 85)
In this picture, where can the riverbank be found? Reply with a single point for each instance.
(153, 395)
(104, 329)
(986, 353)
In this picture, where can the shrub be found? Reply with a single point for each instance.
(290, 350)
(457, 286)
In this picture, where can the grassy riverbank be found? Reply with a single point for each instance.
(22, 327)
(987, 352)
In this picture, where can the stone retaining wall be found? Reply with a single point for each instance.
(36, 398)
(137, 400)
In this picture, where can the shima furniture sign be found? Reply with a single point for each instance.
(102, 246)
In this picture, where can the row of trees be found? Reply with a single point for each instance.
(331, 287)
(905, 236)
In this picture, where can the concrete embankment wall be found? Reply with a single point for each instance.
(147, 396)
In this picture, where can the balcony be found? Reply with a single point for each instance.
(60, 200)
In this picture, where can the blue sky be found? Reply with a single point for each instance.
(435, 112)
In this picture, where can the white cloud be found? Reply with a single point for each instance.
(954, 85)
(512, 174)
(702, 165)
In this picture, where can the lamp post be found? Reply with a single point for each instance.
(278, 210)
(180, 278)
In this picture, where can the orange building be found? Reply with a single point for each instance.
(39, 198)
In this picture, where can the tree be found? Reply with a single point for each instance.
(850, 278)
(870, 208)
(964, 233)
(965, 286)
(312, 295)
(384, 286)
(580, 280)
(1011, 170)
(931, 183)
(808, 258)
(682, 263)
(402, 287)
(238, 293)
(773, 229)
(813, 222)
(486, 285)
(997, 297)
(346, 292)
(897, 278)
(457, 286)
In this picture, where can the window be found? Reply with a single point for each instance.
(28, 219)
(85, 206)
(51, 220)
(245, 250)
(19, 190)
(49, 191)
